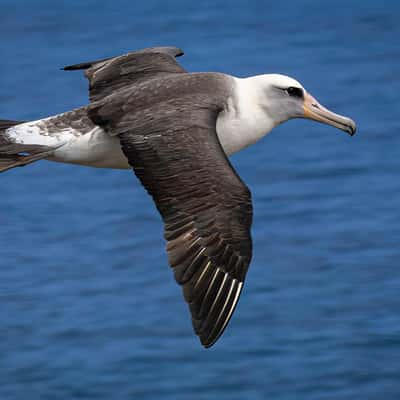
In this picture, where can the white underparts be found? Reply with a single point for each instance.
(244, 122)
(94, 149)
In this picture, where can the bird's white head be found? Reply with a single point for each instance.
(265, 101)
(283, 98)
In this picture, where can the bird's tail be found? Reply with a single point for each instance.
(17, 154)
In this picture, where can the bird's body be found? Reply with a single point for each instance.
(176, 129)
(240, 123)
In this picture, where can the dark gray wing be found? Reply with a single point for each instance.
(110, 74)
(205, 206)
(166, 121)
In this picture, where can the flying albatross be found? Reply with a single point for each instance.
(176, 129)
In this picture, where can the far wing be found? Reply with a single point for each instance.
(110, 74)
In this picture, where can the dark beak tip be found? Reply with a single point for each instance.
(352, 129)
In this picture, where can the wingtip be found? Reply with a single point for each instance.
(210, 339)
(207, 344)
(75, 67)
(68, 68)
(180, 52)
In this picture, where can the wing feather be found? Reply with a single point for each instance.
(111, 74)
(207, 214)
(166, 122)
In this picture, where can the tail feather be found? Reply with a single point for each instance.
(18, 155)
(8, 162)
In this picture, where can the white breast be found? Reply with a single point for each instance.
(244, 122)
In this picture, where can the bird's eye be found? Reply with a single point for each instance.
(294, 91)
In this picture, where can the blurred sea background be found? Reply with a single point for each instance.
(89, 308)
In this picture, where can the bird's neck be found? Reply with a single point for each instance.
(244, 121)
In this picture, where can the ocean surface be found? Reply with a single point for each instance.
(88, 305)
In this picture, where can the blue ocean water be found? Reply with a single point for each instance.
(88, 305)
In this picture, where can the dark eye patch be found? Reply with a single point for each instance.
(295, 92)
